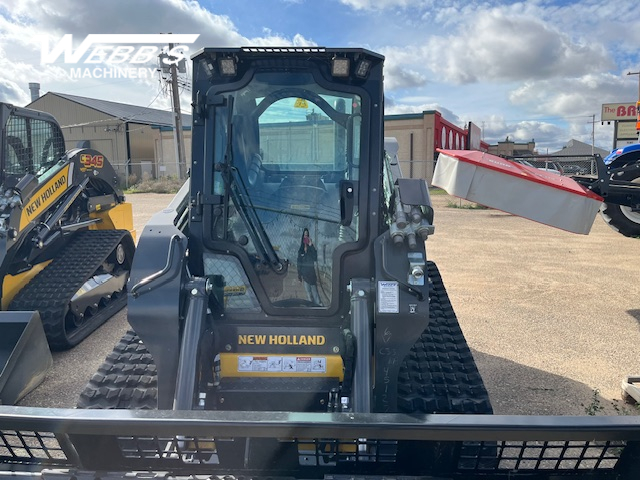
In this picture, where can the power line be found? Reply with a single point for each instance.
(539, 119)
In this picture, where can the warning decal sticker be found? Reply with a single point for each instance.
(301, 364)
(388, 297)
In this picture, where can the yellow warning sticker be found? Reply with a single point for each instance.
(270, 365)
(277, 364)
(301, 103)
(234, 290)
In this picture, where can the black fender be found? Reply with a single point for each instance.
(625, 159)
(94, 165)
(155, 286)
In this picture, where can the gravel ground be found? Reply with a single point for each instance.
(551, 317)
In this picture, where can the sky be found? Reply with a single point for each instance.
(536, 69)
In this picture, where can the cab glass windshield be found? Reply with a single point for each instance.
(289, 151)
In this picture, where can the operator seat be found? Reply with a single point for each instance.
(303, 194)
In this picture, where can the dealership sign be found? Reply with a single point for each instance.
(618, 111)
(626, 130)
(117, 55)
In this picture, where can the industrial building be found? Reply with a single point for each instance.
(138, 141)
(419, 134)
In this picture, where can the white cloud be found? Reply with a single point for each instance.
(377, 4)
(393, 107)
(498, 46)
(493, 46)
(548, 136)
(555, 64)
(122, 16)
(570, 96)
(11, 93)
(545, 135)
(273, 39)
(534, 62)
(396, 76)
(25, 24)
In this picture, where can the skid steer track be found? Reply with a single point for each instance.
(51, 291)
(440, 375)
(126, 379)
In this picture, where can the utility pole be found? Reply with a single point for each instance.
(637, 105)
(593, 134)
(178, 134)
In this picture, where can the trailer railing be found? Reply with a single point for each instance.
(61, 443)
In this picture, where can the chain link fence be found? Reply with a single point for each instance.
(132, 172)
(567, 165)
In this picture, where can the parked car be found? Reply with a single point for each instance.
(575, 170)
(547, 165)
(557, 171)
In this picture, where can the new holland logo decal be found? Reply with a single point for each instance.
(46, 195)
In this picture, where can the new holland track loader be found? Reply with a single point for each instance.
(66, 245)
(286, 322)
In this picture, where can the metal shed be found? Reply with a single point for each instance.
(138, 141)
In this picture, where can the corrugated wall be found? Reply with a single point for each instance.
(79, 123)
(165, 152)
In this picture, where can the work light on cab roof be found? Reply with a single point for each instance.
(227, 66)
(340, 66)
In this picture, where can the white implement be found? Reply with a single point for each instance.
(518, 189)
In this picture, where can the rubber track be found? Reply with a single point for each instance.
(440, 375)
(51, 290)
(126, 379)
